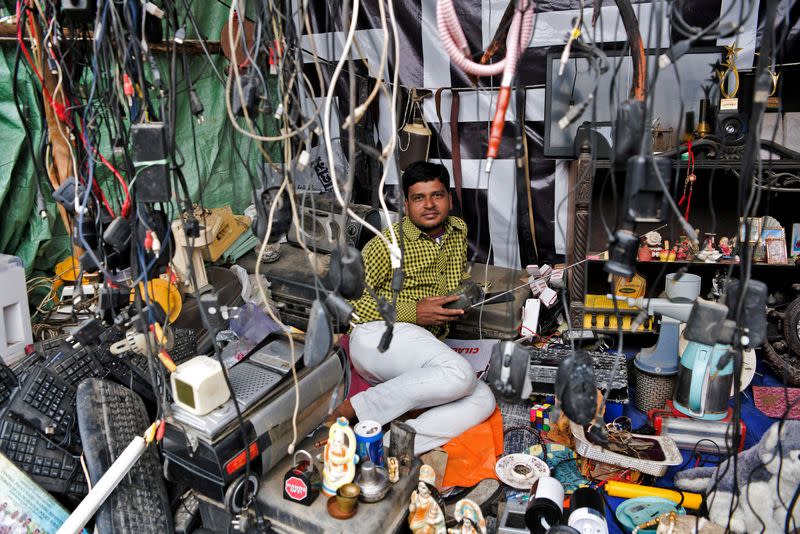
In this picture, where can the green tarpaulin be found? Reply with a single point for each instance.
(217, 170)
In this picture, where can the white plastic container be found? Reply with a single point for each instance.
(198, 385)
(15, 318)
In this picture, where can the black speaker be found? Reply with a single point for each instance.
(731, 127)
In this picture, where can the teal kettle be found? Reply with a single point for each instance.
(702, 390)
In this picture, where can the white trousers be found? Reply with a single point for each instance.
(417, 371)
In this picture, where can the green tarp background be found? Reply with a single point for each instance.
(222, 177)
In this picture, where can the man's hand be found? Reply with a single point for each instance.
(430, 311)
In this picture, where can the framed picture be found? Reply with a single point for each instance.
(796, 239)
(755, 229)
(776, 250)
(771, 232)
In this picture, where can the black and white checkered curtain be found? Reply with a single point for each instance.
(490, 202)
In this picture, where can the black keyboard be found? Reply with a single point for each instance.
(8, 383)
(74, 365)
(42, 350)
(50, 466)
(187, 514)
(46, 402)
(109, 417)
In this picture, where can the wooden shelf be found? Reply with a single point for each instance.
(722, 165)
(720, 263)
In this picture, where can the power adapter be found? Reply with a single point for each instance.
(112, 298)
(645, 200)
(249, 96)
(628, 130)
(65, 194)
(150, 159)
(622, 253)
(117, 235)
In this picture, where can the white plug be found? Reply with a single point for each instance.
(154, 10)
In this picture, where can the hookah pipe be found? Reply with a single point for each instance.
(455, 44)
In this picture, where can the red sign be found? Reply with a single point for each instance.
(295, 488)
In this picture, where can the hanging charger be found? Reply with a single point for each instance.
(622, 252)
(576, 388)
(508, 371)
(346, 272)
(319, 335)
(266, 195)
(645, 199)
(628, 130)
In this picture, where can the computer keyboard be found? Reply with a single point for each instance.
(46, 402)
(74, 365)
(545, 362)
(8, 383)
(109, 417)
(50, 466)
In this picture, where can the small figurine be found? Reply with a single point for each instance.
(653, 240)
(673, 253)
(394, 469)
(664, 254)
(725, 247)
(427, 474)
(425, 514)
(709, 256)
(685, 250)
(339, 458)
(708, 244)
(644, 253)
(470, 518)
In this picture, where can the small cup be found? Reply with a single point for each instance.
(347, 497)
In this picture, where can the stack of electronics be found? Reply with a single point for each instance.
(90, 393)
(203, 447)
(39, 414)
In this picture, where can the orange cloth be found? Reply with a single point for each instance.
(471, 457)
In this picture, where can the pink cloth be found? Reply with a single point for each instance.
(771, 401)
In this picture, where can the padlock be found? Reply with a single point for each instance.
(303, 481)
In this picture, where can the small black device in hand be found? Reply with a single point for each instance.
(468, 294)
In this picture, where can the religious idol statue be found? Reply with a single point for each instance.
(425, 514)
(339, 457)
(394, 469)
(470, 518)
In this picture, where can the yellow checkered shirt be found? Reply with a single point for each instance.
(430, 269)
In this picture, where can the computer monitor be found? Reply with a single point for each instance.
(578, 80)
